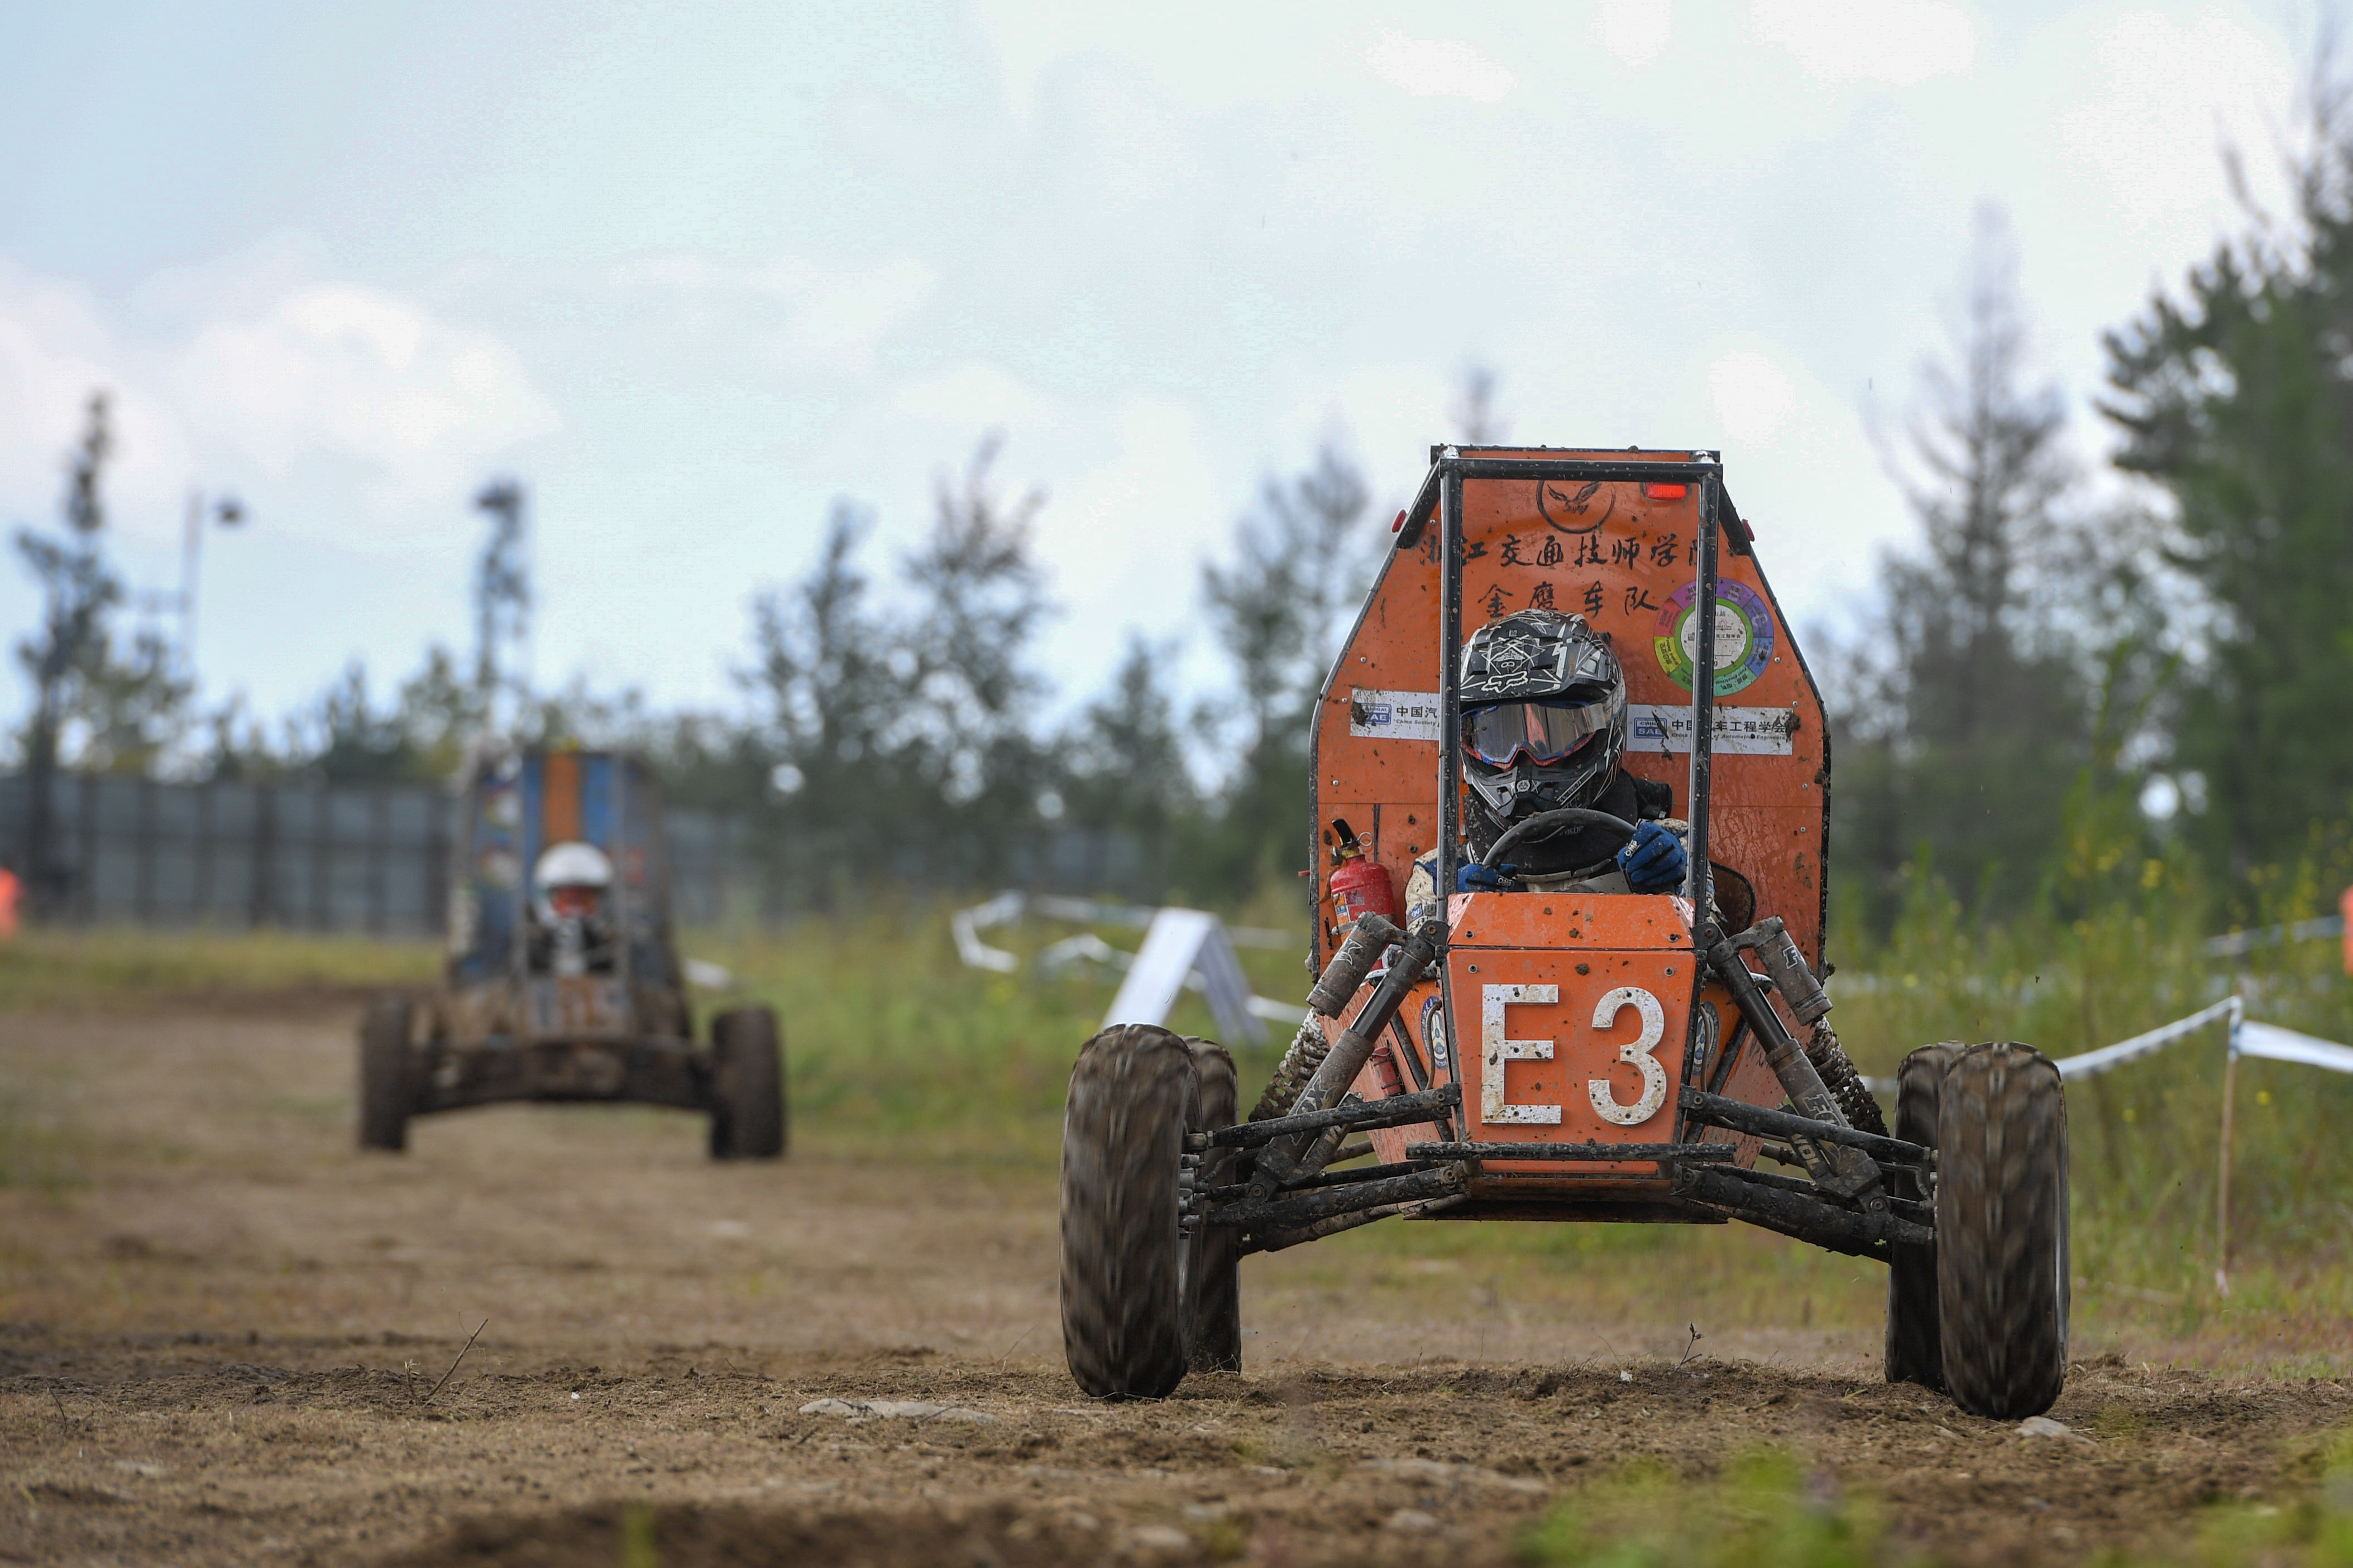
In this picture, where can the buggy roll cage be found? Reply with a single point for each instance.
(1441, 492)
(630, 835)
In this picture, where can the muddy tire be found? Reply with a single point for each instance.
(2001, 1231)
(747, 1086)
(1914, 1354)
(1134, 1093)
(1213, 1269)
(388, 1075)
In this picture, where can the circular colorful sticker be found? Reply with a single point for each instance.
(1744, 636)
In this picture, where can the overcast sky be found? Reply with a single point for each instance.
(693, 271)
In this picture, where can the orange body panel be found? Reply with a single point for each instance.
(560, 799)
(1625, 560)
(1618, 558)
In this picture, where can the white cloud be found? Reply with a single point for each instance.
(1126, 534)
(1634, 31)
(1899, 42)
(2165, 97)
(824, 318)
(843, 316)
(406, 402)
(352, 371)
(1138, 143)
(57, 348)
(1753, 396)
(1390, 413)
(1803, 471)
(1439, 67)
(833, 310)
(980, 397)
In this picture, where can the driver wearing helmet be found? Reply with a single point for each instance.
(1544, 727)
(574, 934)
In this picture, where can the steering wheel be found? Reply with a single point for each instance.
(1544, 823)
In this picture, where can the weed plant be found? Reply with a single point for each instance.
(2114, 948)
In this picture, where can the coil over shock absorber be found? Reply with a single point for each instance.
(1810, 1005)
(1371, 935)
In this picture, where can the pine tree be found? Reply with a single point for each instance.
(2235, 394)
(1967, 716)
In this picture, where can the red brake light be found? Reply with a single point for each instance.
(1399, 523)
(1666, 492)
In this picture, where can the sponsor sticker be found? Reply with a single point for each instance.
(1433, 1033)
(1393, 715)
(1739, 731)
(1744, 635)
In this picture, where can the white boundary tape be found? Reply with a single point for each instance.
(1190, 950)
(1208, 964)
(2238, 944)
(965, 924)
(2280, 1045)
(2156, 1040)
(2247, 1038)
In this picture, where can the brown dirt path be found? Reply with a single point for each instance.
(218, 1326)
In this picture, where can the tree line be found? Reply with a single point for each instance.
(888, 725)
(2076, 670)
(2075, 678)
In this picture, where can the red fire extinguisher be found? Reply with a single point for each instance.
(1360, 885)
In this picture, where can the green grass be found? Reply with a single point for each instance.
(42, 1149)
(2145, 1138)
(1761, 1513)
(895, 1047)
(890, 1038)
(897, 1050)
(2314, 1531)
(1767, 1511)
(65, 967)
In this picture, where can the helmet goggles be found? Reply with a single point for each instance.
(1541, 731)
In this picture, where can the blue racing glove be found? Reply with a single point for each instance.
(1654, 859)
(1472, 878)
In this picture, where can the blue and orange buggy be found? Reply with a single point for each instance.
(510, 1023)
(1573, 1057)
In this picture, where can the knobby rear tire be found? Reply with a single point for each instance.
(1913, 1354)
(1134, 1093)
(747, 1086)
(388, 1075)
(2001, 1231)
(1213, 1272)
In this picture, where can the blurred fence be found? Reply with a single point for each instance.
(345, 859)
(364, 857)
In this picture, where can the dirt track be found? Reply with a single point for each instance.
(220, 1332)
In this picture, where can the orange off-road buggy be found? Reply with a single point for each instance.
(1573, 1055)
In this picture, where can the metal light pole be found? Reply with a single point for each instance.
(228, 512)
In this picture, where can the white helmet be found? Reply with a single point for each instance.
(570, 865)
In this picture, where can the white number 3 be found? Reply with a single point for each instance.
(1636, 1053)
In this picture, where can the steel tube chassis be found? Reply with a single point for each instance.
(648, 1069)
(591, 1038)
(1667, 959)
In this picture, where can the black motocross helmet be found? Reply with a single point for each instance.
(1543, 718)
